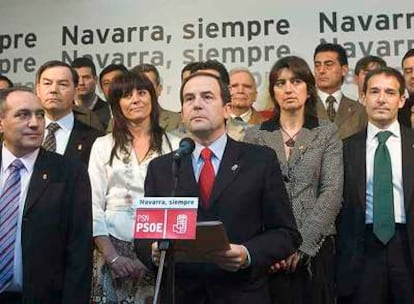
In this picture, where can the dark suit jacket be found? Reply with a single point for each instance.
(80, 141)
(87, 117)
(57, 232)
(351, 221)
(101, 109)
(404, 114)
(350, 117)
(249, 197)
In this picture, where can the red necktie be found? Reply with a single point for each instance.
(206, 179)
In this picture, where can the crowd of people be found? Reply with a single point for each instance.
(316, 196)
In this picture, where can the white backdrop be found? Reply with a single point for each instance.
(170, 34)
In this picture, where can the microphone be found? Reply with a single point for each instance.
(186, 147)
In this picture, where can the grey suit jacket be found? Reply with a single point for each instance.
(169, 120)
(350, 118)
(313, 175)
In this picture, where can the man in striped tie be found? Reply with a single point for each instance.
(45, 211)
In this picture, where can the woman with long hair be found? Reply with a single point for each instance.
(117, 169)
(310, 156)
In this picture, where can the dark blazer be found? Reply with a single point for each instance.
(87, 117)
(404, 114)
(249, 197)
(101, 109)
(350, 117)
(351, 221)
(57, 232)
(80, 141)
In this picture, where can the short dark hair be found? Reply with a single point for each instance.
(300, 70)
(331, 47)
(84, 62)
(147, 68)
(110, 68)
(188, 67)
(224, 88)
(364, 62)
(391, 72)
(410, 53)
(4, 93)
(56, 63)
(212, 65)
(6, 79)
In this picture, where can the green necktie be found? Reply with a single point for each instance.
(384, 224)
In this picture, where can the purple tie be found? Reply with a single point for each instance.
(9, 208)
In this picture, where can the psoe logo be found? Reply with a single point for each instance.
(180, 226)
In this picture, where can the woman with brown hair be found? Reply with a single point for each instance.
(310, 156)
(117, 169)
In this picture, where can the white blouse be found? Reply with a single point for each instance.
(115, 187)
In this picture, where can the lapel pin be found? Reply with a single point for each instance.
(44, 176)
(80, 147)
(234, 167)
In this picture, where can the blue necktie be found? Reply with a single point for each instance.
(9, 209)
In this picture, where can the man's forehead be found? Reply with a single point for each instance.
(408, 62)
(241, 76)
(201, 83)
(83, 70)
(382, 80)
(58, 72)
(326, 56)
(22, 99)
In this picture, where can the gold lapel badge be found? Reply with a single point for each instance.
(80, 147)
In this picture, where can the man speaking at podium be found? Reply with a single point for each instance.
(237, 183)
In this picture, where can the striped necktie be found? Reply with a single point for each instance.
(330, 101)
(50, 141)
(9, 208)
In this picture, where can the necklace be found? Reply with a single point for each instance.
(290, 143)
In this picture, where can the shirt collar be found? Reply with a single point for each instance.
(66, 122)
(338, 96)
(28, 159)
(217, 147)
(245, 116)
(372, 130)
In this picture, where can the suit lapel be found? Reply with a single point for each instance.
(76, 143)
(321, 110)
(187, 182)
(359, 165)
(407, 142)
(346, 109)
(228, 170)
(38, 182)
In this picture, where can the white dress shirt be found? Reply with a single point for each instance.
(63, 133)
(113, 185)
(28, 161)
(394, 147)
(323, 96)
